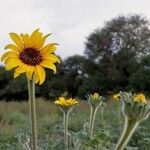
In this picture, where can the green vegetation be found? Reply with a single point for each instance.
(15, 127)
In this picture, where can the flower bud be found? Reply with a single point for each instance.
(134, 106)
(95, 100)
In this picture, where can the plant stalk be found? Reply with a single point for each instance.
(130, 126)
(119, 117)
(31, 88)
(66, 116)
(102, 117)
(92, 119)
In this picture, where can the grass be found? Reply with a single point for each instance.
(15, 127)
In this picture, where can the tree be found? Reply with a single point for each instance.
(73, 74)
(12, 89)
(140, 80)
(53, 85)
(129, 34)
(116, 48)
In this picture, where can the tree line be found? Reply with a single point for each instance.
(116, 57)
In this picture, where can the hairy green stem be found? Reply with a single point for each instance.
(119, 117)
(102, 117)
(31, 88)
(66, 116)
(92, 119)
(130, 126)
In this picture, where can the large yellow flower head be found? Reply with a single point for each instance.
(66, 103)
(29, 55)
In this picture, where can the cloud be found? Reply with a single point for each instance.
(70, 21)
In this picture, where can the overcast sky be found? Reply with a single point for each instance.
(70, 21)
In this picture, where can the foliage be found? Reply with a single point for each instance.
(115, 49)
(140, 80)
(130, 34)
(50, 127)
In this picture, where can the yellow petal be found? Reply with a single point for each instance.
(10, 66)
(29, 71)
(35, 32)
(17, 40)
(12, 60)
(49, 48)
(12, 47)
(36, 39)
(57, 102)
(10, 54)
(41, 73)
(61, 99)
(26, 39)
(43, 39)
(36, 79)
(48, 64)
(21, 69)
(52, 58)
(139, 98)
(11, 63)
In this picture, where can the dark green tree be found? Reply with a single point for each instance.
(116, 48)
(140, 80)
(74, 73)
(10, 88)
(53, 85)
(129, 34)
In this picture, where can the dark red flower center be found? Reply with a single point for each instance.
(30, 56)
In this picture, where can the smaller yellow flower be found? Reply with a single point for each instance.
(140, 98)
(95, 100)
(116, 96)
(94, 96)
(66, 102)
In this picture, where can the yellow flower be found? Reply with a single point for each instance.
(94, 96)
(116, 96)
(29, 55)
(139, 98)
(66, 102)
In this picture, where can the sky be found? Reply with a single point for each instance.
(69, 21)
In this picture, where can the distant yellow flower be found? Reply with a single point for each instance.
(66, 102)
(95, 100)
(116, 96)
(94, 96)
(29, 55)
(139, 98)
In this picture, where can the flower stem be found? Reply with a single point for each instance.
(31, 88)
(119, 117)
(66, 115)
(130, 126)
(92, 119)
(102, 117)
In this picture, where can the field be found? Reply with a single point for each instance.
(15, 127)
